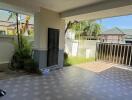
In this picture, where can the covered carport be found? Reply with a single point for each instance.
(68, 83)
(54, 14)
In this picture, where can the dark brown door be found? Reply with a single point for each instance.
(53, 47)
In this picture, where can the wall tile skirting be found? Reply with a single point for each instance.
(40, 56)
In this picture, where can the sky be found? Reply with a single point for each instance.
(4, 15)
(123, 22)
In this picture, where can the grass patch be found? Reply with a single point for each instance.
(77, 60)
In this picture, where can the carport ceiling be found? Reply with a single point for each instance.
(78, 9)
(63, 5)
(56, 5)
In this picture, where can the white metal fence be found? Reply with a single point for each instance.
(116, 53)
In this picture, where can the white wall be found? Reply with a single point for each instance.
(6, 50)
(86, 48)
(47, 19)
(7, 47)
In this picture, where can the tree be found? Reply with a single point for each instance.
(84, 28)
(12, 15)
(70, 25)
(96, 29)
(19, 30)
(22, 57)
(92, 29)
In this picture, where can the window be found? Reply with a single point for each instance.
(2, 32)
(8, 23)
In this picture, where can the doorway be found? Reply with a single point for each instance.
(53, 47)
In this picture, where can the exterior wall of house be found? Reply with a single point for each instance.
(42, 21)
(4, 29)
(81, 48)
(6, 52)
(6, 49)
(113, 38)
(128, 39)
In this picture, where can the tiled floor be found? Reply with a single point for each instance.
(71, 83)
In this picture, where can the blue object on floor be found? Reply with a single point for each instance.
(46, 71)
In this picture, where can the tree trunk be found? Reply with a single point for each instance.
(18, 35)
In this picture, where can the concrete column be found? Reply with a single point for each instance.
(43, 20)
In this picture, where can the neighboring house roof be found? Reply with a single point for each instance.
(113, 31)
(127, 31)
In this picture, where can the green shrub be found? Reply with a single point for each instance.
(22, 57)
(66, 63)
(30, 66)
(65, 56)
(77, 60)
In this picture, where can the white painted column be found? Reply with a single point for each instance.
(42, 21)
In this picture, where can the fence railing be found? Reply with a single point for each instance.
(116, 53)
(88, 38)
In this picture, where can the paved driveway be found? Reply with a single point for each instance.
(97, 66)
(71, 83)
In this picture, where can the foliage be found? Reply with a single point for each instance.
(84, 28)
(11, 32)
(25, 50)
(65, 56)
(22, 57)
(15, 15)
(31, 32)
(11, 16)
(70, 25)
(30, 66)
(96, 29)
(66, 60)
(70, 60)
